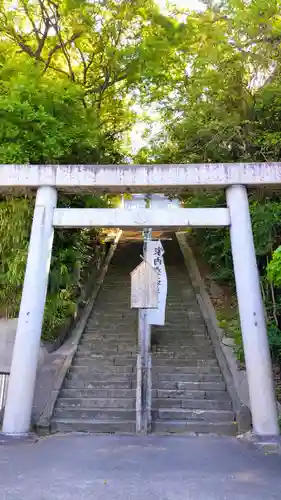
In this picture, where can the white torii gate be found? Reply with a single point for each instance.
(47, 179)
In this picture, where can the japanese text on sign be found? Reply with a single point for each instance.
(154, 256)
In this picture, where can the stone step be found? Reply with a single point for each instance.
(185, 334)
(187, 377)
(179, 355)
(179, 363)
(115, 402)
(186, 345)
(203, 386)
(98, 384)
(104, 362)
(100, 393)
(111, 332)
(202, 345)
(192, 404)
(188, 340)
(114, 327)
(113, 356)
(185, 350)
(107, 344)
(195, 354)
(123, 413)
(195, 414)
(95, 413)
(128, 327)
(173, 362)
(130, 403)
(116, 312)
(98, 369)
(163, 395)
(116, 392)
(106, 351)
(182, 354)
(93, 426)
(180, 370)
(107, 339)
(182, 327)
(127, 323)
(184, 324)
(113, 300)
(120, 336)
(127, 383)
(129, 372)
(194, 427)
(220, 395)
(181, 321)
(129, 366)
(99, 377)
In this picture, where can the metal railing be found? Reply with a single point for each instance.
(4, 380)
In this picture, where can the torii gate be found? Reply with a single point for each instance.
(49, 179)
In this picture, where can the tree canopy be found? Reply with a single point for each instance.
(77, 75)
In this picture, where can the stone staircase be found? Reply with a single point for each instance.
(189, 391)
(189, 394)
(98, 394)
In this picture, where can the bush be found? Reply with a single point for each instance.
(215, 246)
(74, 253)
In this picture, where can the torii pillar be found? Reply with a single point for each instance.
(21, 386)
(252, 318)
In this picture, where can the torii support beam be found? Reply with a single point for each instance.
(143, 218)
(139, 178)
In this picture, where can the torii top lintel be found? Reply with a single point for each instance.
(171, 178)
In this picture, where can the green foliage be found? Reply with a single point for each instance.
(224, 105)
(42, 121)
(274, 338)
(274, 268)
(231, 325)
(65, 73)
(215, 246)
(70, 72)
(75, 252)
(15, 223)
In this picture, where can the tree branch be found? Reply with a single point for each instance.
(55, 25)
(60, 46)
(106, 84)
(29, 17)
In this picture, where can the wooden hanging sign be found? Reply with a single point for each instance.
(144, 287)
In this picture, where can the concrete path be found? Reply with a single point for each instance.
(80, 467)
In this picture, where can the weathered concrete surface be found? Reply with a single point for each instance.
(8, 328)
(138, 178)
(131, 468)
(144, 218)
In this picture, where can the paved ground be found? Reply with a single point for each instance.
(80, 467)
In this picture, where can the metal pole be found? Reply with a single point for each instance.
(139, 389)
(143, 395)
